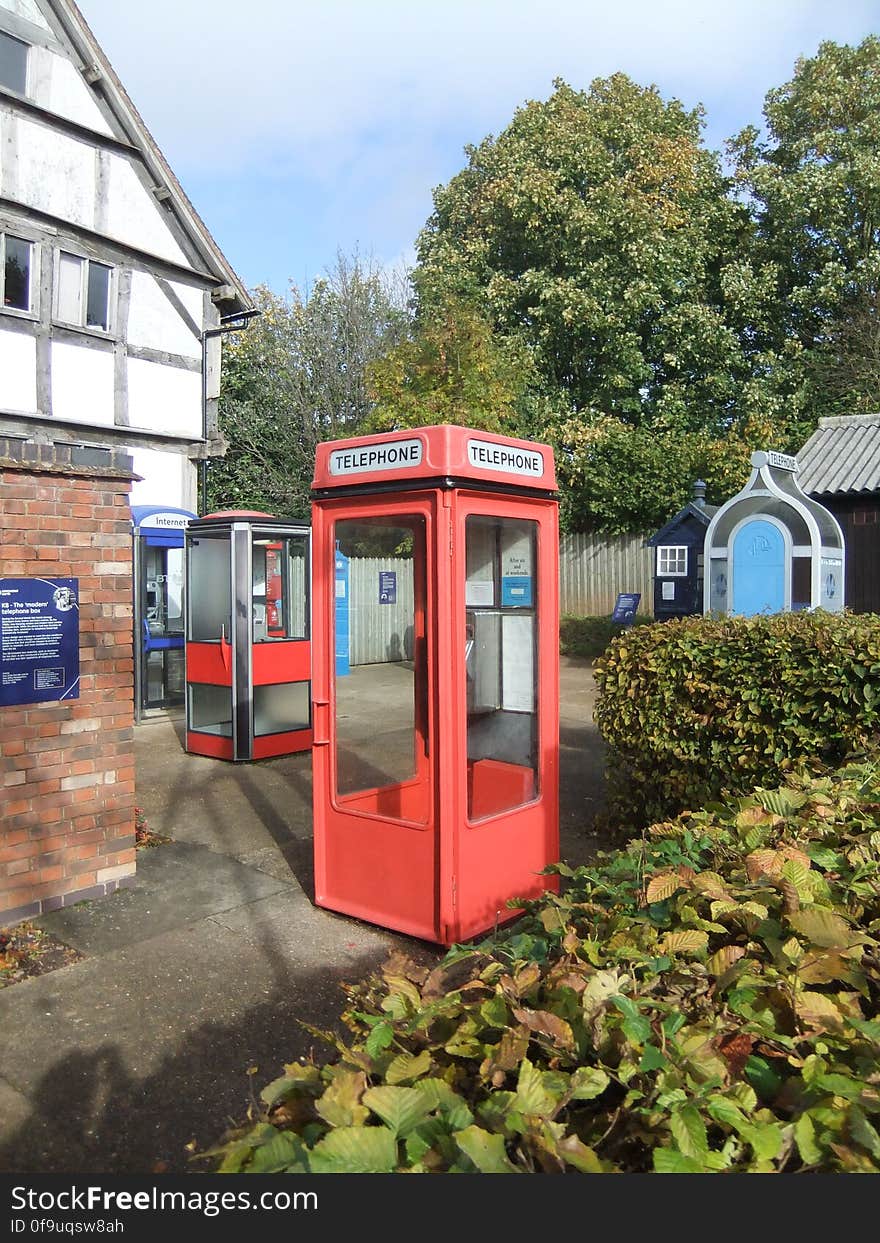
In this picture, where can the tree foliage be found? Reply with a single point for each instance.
(813, 179)
(611, 472)
(451, 369)
(297, 376)
(599, 230)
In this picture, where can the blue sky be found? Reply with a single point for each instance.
(301, 128)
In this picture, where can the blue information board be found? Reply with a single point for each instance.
(39, 640)
(387, 586)
(626, 607)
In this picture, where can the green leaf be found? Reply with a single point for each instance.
(379, 1038)
(671, 1161)
(762, 1077)
(765, 1139)
(495, 1011)
(236, 1154)
(531, 1095)
(805, 1138)
(689, 1131)
(486, 1151)
(408, 1066)
(825, 858)
(861, 1130)
(672, 1024)
(416, 1147)
(839, 1085)
(578, 1155)
(401, 1109)
(290, 1084)
(355, 1150)
(340, 1105)
(587, 1083)
(652, 1059)
(726, 1111)
(286, 1152)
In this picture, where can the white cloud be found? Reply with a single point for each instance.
(322, 123)
(231, 85)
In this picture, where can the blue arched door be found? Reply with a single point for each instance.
(758, 569)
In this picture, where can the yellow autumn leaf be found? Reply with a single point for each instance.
(663, 885)
(687, 941)
(724, 958)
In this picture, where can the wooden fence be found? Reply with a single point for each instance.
(594, 569)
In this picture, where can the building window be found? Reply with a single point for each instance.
(83, 292)
(672, 561)
(17, 259)
(13, 63)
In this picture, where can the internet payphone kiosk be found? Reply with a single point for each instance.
(247, 636)
(158, 605)
(435, 759)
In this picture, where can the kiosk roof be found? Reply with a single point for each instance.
(446, 452)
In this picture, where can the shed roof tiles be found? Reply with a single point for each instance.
(842, 456)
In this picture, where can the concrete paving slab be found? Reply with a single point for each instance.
(127, 1057)
(175, 884)
(302, 932)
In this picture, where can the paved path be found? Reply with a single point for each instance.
(200, 972)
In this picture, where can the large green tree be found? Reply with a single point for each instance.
(297, 376)
(812, 179)
(599, 230)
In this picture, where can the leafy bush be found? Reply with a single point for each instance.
(705, 1000)
(694, 707)
(588, 637)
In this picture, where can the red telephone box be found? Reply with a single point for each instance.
(436, 757)
(248, 660)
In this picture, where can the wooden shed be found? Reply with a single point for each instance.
(678, 564)
(840, 466)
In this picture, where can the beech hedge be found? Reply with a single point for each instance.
(704, 1001)
(693, 708)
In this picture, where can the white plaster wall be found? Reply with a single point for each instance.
(154, 321)
(27, 9)
(18, 373)
(133, 215)
(168, 479)
(82, 384)
(68, 94)
(164, 399)
(56, 173)
(49, 171)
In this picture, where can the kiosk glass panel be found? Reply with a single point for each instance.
(281, 707)
(280, 588)
(501, 664)
(381, 706)
(210, 589)
(210, 709)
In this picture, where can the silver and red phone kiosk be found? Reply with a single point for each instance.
(436, 757)
(247, 636)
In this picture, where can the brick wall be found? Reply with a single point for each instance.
(67, 767)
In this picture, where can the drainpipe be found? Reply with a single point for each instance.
(228, 323)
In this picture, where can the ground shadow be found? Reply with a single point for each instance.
(90, 1115)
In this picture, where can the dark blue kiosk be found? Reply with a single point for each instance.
(158, 533)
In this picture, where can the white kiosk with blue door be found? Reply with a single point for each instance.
(158, 606)
(771, 548)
